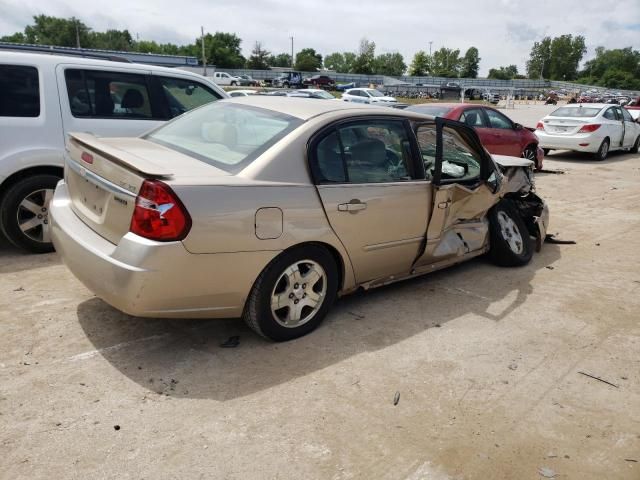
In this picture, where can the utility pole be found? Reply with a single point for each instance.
(204, 57)
(291, 37)
(430, 59)
(77, 34)
(430, 47)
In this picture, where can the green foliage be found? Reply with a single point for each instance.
(470, 63)
(391, 64)
(223, 50)
(307, 60)
(340, 62)
(445, 62)
(420, 66)
(556, 58)
(616, 68)
(280, 60)
(365, 61)
(64, 32)
(112, 40)
(17, 37)
(504, 73)
(259, 59)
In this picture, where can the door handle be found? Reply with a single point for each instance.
(354, 205)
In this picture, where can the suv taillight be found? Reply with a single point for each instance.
(159, 214)
(589, 128)
(539, 126)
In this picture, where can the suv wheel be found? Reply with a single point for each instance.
(24, 213)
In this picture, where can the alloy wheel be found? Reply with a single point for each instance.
(299, 293)
(33, 215)
(510, 233)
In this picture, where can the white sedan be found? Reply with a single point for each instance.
(595, 128)
(241, 93)
(366, 95)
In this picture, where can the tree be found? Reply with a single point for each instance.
(280, 60)
(307, 60)
(391, 64)
(617, 68)
(259, 59)
(504, 73)
(63, 32)
(112, 40)
(470, 63)
(340, 62)
(17, 37)
(446, 62)
(556, 58)
(223, 50)
(420, 66)
(365, 61)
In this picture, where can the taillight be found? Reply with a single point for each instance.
(159, 214)
(539, 126)
(589, 128)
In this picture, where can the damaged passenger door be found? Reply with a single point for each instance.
(459, 167)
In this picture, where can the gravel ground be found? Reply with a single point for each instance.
(488, 364)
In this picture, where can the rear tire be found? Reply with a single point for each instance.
(24, 213)
(293, 294)
(511, 244)
(603, 150)
(636, 146)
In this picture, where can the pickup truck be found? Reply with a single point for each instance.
(223, 78)
(320, 81)
(289, 80)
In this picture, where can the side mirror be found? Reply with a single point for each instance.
(517, 126)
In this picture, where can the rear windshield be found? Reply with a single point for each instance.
(226, 135)
(575, 112)
(435, 110)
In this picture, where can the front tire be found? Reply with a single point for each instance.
(293, 294)
(603, 150)
(24, 213)
(511, 244)
(636, 146)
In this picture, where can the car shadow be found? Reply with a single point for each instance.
(569, 156)
(13, 259)
(184, 358)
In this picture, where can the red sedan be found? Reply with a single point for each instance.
(497, 132)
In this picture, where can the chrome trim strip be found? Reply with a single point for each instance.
(97, 179)
(395, 243)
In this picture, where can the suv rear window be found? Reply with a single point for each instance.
(183, 95)
(19, 91)
(226, 135)
(105, 94)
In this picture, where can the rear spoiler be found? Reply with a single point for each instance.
(142, 166)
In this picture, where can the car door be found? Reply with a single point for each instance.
(107, 101)
(459, 170)
(502, 129)
(630, 128)
(614, 127)
(475, 118)
(374, 198)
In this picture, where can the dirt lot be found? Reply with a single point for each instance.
(486, 360)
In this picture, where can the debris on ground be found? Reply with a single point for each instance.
(599, 379)
(19, 289)
(555, 172)
(631, 460)
(231, 342)
(551, 238)
(547, 472)
(396, 398)
(356, 315)
(550, 267)
(116, 427)
(513, 366)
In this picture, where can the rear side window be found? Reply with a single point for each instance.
(183, 95)
(474, 118)
(19, 91)
(104, 94)
(610, 114)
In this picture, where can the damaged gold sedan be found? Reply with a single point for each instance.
(269, 208)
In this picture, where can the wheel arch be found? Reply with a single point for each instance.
(29, 172)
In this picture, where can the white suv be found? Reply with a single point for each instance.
(43, 97)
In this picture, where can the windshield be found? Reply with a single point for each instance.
(575, 112)
(375, 93)
(435, 110)
(226, 135)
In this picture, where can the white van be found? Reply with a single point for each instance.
(43, 97)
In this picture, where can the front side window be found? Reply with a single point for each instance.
(497, 120)
(183, 95)
(460, 162)
(226, 135)
(19, 91)
(374, 151)
(374, 93)
(474, 118)
(105, 94)
(627, 116)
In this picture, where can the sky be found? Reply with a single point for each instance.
(502, 30)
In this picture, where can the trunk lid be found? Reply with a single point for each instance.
(564, 125)
(104, 177)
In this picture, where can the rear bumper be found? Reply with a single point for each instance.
(153, 279)
(559, 142)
